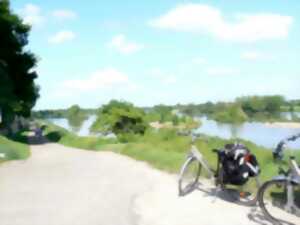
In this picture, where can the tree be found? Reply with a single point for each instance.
(120, 118)
(76, 116)
(231, 113)
(18, 92)
(261, 104)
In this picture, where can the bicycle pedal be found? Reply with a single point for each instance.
(242, 194)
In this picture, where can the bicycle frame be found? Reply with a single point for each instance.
(294, 173)
(291, 179)
(194, 152)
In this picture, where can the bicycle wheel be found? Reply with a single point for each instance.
(273, 200)
(245, 195)
(189, 176)
(248, 192)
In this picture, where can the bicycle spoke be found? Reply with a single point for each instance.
(275, 204)
(189, 175)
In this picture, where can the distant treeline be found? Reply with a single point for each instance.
(244, 109)
(60, 113)
(258, 108)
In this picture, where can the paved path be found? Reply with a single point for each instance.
(65, 186)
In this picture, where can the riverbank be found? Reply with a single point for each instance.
(191, 124)
(163, 148)
(293, 125)
(63, 185)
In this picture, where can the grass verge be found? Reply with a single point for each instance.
(62, 136)
(14, 148)
(164, 149)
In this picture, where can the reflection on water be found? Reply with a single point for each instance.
(290, 115)
(81, 129)
(256, 132)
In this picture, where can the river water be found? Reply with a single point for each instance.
(257, 132)
(84, 130)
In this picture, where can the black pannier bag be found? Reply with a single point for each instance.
(238, 164)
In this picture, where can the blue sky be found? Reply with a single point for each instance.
(151, 52)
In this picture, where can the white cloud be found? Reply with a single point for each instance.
(222, 71)
(255, 56)
(120, 43)
(64, 14)
(61, 37)
(31, 15)
(108, 78)
(200, 18)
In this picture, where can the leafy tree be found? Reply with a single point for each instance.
(231, 113)
(76, 116)
(273, 103)
(120, 118)
(175, 120)
(259, 104)
(18, 92)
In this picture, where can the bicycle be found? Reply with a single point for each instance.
(196, 165)
(281, 195)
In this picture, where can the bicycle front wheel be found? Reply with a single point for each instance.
(275, 204)
(189, 176)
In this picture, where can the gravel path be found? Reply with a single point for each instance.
(65, 186)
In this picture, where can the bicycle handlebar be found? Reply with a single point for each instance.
(278, 151)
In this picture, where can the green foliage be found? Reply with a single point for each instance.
(175, 120)
(152, 116)
(164, 114)
(64, 137)
(164, 149)
(250, 108)
(76, 116)
(59, 113)
(13, 149)
(259, 104)
(160, 113)
(231, 113)
(120, 118)
(18, 92)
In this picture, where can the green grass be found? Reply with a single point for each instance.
(297, 109)
(60, 135)
(164, 149)
(14, 148)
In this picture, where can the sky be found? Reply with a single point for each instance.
(162, 51)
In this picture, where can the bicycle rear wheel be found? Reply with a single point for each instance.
(245, 194)
(273, 200)
(189, 176)
(248, 192)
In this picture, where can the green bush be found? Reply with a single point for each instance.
(231, 113)
(120, 117)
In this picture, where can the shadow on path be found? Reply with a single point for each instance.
(228, 194)
(256, 216)
(34, 140)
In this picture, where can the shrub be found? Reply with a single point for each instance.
(120, 118)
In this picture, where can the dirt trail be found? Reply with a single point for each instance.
(65, 186)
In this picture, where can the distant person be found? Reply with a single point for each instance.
(38, 132)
